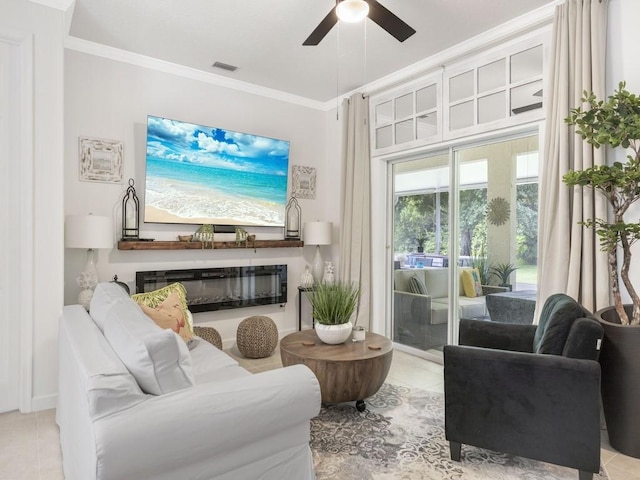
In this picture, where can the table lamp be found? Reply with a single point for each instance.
(317, 233)
(90, 232)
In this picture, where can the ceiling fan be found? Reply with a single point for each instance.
(376, 12)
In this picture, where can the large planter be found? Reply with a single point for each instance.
(333, 334)
(620, 387)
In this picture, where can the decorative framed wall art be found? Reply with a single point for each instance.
(304, 182)
(100, 160)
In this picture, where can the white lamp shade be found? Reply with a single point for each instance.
(318, 233)
(88, 231)
(352, 11)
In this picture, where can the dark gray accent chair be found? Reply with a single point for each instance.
(528, 390)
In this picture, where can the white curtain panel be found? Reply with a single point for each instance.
(569, 256)
(355, 234)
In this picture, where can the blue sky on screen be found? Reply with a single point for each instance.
(177, 141)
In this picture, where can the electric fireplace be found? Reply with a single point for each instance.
(222, 287)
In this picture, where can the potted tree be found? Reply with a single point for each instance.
(503, 271)
(333, 305)
(616, 122)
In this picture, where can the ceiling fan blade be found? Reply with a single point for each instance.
(323, 28)
(390, 22)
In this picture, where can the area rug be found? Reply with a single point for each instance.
(400, 436)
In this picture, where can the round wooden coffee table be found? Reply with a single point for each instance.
(350, 371)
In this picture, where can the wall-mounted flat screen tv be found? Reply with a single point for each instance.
(197, 174)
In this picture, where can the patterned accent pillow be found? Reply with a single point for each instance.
(155, 298)
(416, 285)
(471, 283)
(170, 314)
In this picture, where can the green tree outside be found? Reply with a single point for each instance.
(415, 216)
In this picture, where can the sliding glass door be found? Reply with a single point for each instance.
(421, 252)
(487, 195)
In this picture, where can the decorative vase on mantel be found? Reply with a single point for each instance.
(334, 334)
(329, 273)
(620, 383)
(306, 279)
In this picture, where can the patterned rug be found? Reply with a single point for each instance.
(401, 436)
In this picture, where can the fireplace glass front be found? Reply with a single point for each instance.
(222, 288)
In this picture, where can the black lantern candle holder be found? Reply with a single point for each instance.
(293, 221)
(130, 214)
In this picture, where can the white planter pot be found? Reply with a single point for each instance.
(334, 334)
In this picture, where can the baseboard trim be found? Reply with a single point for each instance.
(44, 402)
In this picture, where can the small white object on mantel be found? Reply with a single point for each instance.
(329, 273)
(306, 279)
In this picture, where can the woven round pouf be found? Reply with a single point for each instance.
(257, 337)
(209, 334)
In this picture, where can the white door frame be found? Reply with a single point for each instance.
(21, 210)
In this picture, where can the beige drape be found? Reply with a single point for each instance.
(355, 222)
(569, 256)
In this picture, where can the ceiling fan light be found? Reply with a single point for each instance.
(352, 11)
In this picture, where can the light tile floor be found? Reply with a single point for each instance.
(30, 447)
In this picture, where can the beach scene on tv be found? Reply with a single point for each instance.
(198, 175)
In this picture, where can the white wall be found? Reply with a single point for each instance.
(109, 99)
(623, 65)
(45, 27)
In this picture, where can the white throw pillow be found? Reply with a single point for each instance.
(158, 359)
(105, 296)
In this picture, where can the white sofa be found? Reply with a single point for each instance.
(211, 419)
(421, 320)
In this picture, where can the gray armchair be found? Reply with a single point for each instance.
(527, 390)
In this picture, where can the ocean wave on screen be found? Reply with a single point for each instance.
(190, 201)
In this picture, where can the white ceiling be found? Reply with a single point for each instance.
(263, 38)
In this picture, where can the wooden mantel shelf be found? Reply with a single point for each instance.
(175, 245)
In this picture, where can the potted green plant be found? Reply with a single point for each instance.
(616, 122)
(503, 271)
(480, 261)
(421, 238)
(333, 305)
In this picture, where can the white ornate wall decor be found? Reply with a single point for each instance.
(100, 160)
(304, 182)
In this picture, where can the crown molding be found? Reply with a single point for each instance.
(63, 5)
(521, 25)
(124, 56)
(525, 23)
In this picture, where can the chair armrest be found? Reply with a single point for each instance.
(412, 306)
(488, 289)
(502, 336)
(210, 420)
(493, 397)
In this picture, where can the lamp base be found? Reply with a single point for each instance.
(84, 298)
(317, 267)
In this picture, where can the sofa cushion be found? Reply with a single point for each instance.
(437, 281)
(416, 285)
(472, 307)
(158, 359)
(170, 314)
(156, 297)
(104, 297)
(89, 365)
(206, 358)
(439, 311)
(401, 279)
